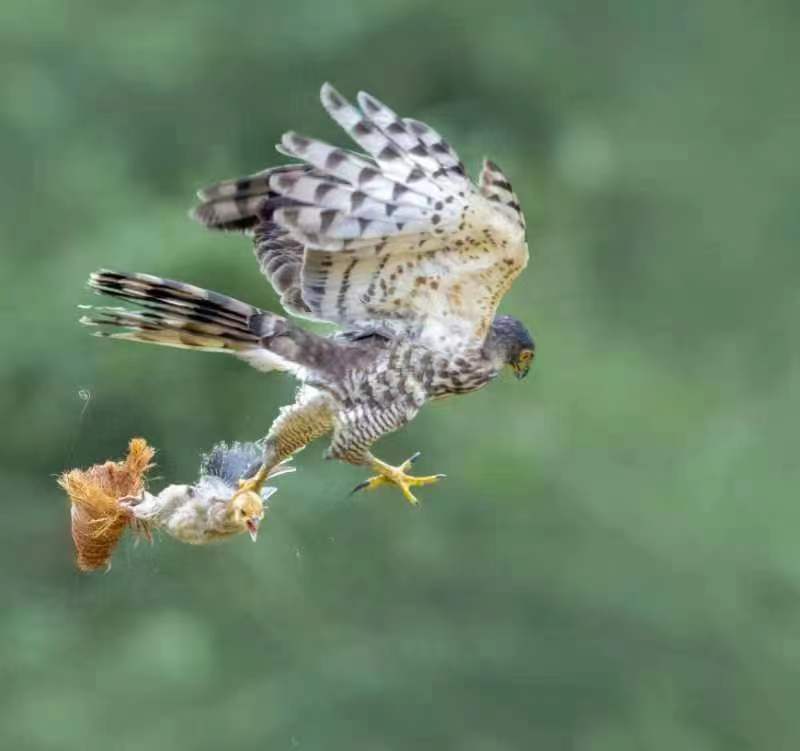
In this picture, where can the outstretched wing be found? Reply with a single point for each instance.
(235, 205)
(399, 239)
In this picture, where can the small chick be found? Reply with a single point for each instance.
(210, 509)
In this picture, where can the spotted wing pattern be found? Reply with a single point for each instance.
(235, 205)
(397, 238)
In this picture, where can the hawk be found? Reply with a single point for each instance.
(395, 245)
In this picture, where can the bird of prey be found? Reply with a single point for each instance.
(395, 245)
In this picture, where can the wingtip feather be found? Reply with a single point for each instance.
(325, 90)
(331, 99)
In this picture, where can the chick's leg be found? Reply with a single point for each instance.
(295, 426)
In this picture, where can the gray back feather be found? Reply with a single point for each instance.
(232, 463)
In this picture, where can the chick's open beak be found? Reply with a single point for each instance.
(252, 528)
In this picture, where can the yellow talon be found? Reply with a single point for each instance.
(253, 484)
(389, 475)
(256, 483)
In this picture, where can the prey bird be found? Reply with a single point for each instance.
(213, 508)
(396, 245)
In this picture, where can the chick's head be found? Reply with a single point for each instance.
(247, 509)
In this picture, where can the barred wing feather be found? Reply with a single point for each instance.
(396, 238)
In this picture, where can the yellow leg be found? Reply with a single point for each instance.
(255, 483)
(389, 475)
(296, 425)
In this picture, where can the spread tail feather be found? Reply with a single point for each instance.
(181, 315)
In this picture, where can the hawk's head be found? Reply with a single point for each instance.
(512, 342)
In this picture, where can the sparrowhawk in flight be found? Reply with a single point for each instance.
(395, 245)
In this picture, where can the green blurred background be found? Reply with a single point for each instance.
(613, 561)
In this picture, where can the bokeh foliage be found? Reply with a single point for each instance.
(613, 562)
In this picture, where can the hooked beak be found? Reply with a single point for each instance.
(520, 371)
(252, 528)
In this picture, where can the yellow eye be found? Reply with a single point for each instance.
(525, 356)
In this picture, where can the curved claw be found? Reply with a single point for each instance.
(389, 475)
(253, 484)
(361, 486)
